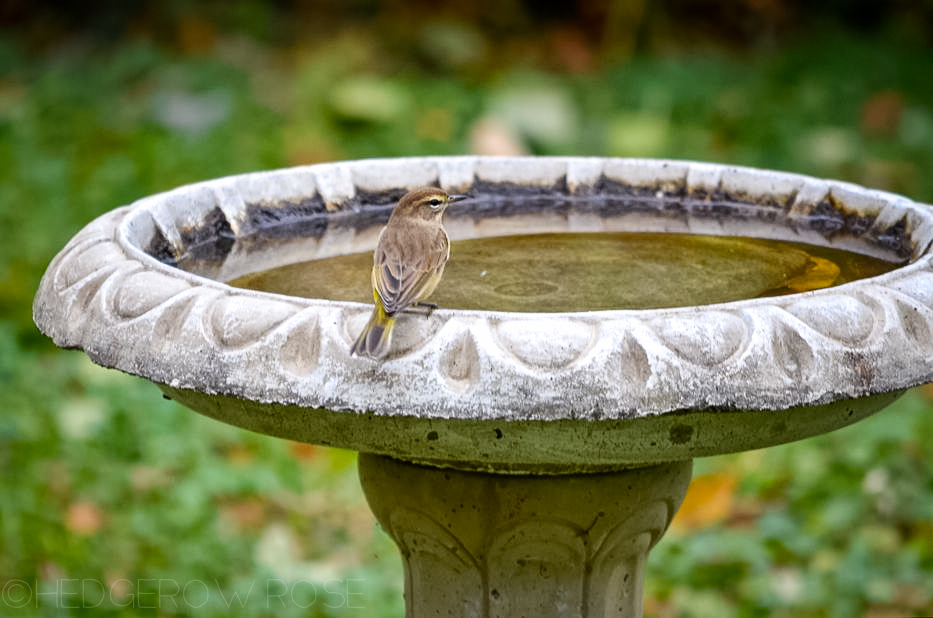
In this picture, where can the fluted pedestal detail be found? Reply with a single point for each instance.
(489, 545)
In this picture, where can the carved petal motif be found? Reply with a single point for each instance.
(545, 344)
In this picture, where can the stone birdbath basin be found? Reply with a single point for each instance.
(525, 445)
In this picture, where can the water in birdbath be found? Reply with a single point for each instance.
(593, 271)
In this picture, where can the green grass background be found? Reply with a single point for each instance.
(101, 480)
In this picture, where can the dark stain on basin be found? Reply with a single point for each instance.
(307, 217)
(483, 188)
(212, 240)
(161, 249)
(681, 434)
(896, 239)
(207, 243)
(607, 186)
(833, 220)
(718, 196)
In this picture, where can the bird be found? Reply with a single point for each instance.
(409, 260)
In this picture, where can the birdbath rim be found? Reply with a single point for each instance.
(114, 293)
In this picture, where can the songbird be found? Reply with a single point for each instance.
(408, 263)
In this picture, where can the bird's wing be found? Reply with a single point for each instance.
(404, 274)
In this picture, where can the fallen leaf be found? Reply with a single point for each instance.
(301, 151)
(819, 273)
(84, 518)
(926, 391)
(51, 571)
(912, 595)
(573, 50)
(145, 478)
(882, 112)
(119, 586)
(239, 455)
(656, 607)
(710, 500)
(303, 452)
(245, 515)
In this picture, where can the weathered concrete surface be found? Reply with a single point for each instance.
(477, 545)
(114, 293)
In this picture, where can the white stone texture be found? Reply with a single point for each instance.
(105, 295)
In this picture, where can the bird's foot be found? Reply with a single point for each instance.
(425, 309)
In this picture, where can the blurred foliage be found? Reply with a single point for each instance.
(112, 496)
(102, 480)
(837, 525)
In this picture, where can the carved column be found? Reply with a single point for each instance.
(490, 545)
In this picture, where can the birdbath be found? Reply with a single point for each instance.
(524, 446)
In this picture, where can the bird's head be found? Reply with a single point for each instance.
(426, 203)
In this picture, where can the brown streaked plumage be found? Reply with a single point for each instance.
(408, 264)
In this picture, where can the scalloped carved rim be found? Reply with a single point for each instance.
(106, 295)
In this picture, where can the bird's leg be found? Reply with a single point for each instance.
(422, 308)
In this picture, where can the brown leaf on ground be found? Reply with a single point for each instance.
(239, 455)
(309, 151)
(245, 515)
(303, 452)
(145, 478)
(881, 113)
(572, 50)
(84, 518)
(119, 586)
(926, 391)
(710, 500)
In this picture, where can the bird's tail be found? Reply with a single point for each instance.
(376, 337)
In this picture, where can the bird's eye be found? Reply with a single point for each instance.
(434, 202)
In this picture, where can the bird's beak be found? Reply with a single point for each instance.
(456, 198)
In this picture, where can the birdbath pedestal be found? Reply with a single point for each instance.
(485, 544)
(524, 462)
